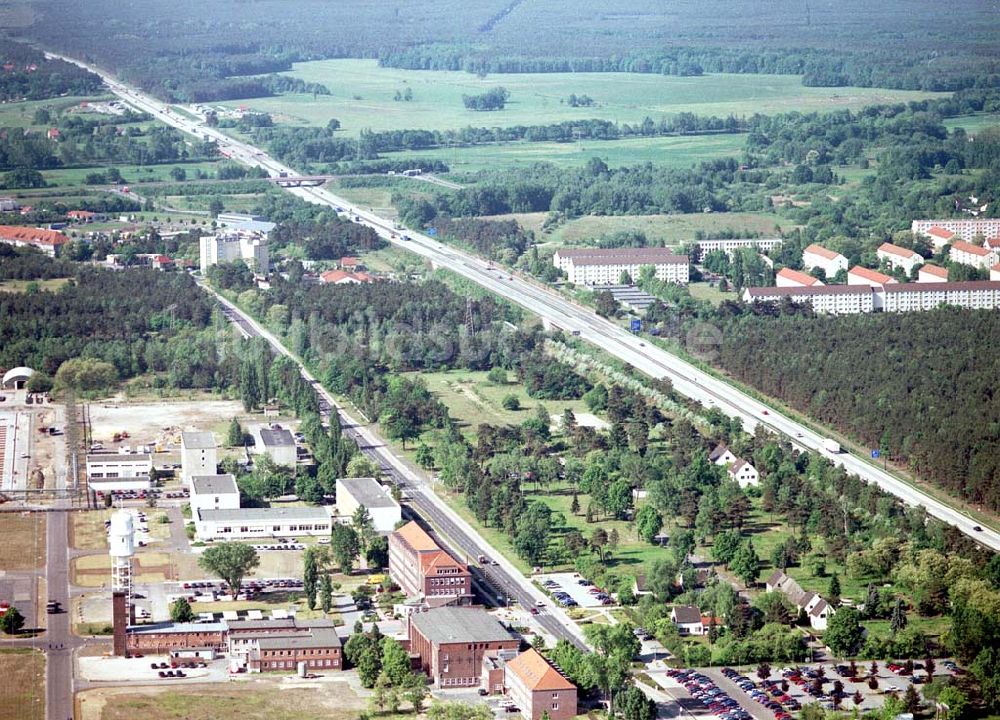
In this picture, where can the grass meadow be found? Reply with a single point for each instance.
(362, 97)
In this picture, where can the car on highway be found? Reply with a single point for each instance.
(977, 528)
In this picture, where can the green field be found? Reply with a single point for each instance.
(973, 123)
(22, 113)
(669, 229)
(678, 152)
(362, 97)
(135, 174)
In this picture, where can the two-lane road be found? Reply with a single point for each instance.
(561, 312)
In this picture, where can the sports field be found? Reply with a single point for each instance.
(362, 97)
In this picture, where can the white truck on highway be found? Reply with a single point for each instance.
(831, 446)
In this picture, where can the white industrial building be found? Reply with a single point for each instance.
(597, 266)
(353, 493)
(830, 262)
(199, 455)
(113, 472)
(964, 229)
(899, 257)
(261, 523)
(275, 441)
(232, 245)
(730, 245)
(214, 492)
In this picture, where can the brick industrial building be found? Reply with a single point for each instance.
(423, 569)
(538, 688)
(451, 643)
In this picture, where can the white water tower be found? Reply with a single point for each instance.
(122, 543)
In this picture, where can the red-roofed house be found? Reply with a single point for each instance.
(899, 257)
(939, 237)
(829, 261)
(350, 264)
(863, 276)
(53, 134)
(82, 215)
(787, 277)
(339, 277)
(932, 273)
(538, 688)
(49, 242)
(967, 253)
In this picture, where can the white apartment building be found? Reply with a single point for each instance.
(249, 523)
(787, 277)
(899, 257)
(858, 275)
(911, 297)
(595, 266)
(199, 455)
(964, 229)
(114, 472)
(832, 299)
(892, 297)
(930, 273)
(939, 237)
(995, 272)
(232, 245)
(966, 253)
(353, 493)
(729, 246)
(214, 492)
(830, 262)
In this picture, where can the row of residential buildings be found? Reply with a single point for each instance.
(889, 297)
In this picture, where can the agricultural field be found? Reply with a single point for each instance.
(22, 692)
(679, 152)
(362, 97)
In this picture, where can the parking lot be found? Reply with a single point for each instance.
(572, 590)
(785, 690)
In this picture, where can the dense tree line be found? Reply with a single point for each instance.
(318, 145)
(139, 321)
(489, 101)
(925, 400)
(25, 74)
(330, 238)
(501, 240)
(18, 264)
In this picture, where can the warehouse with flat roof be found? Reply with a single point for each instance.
(262, 523)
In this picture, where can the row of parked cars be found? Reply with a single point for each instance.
(769, 694)
(703, 689)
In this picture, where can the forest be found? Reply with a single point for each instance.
(211, 56)
(134, 322)
(25, 74)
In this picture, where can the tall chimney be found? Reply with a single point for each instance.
(119, 621)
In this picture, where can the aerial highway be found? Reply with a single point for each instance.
(561, 312)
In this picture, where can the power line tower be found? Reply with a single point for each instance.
(470, 322)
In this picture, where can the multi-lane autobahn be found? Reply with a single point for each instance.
(561, 312)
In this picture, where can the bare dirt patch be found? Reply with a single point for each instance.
(266, 699)
(22, 692)
(23, 541)
(160, 422)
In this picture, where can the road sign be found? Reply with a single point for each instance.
(636, 325)
(876, 454)
(432, 231)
